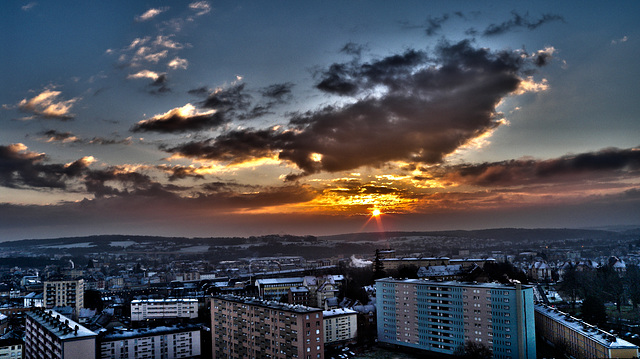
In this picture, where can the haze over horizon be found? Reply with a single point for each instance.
(221, 118)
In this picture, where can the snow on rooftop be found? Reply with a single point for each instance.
(592, 332)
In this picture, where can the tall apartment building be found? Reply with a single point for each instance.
(160, 342)
(441, 316)
(340, 325)
(579, 339)
(170, 308)
(64, 293)
(51, 335)
(253, 328)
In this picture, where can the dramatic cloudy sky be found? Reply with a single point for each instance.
(213, 118)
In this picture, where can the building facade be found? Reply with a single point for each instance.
(158, 343)
(51, 335)
(340, 325)
(253, 328)
(579, 339)
(276, 288)
(11, 348)
(170, 308)
(64, 293)
(441, 316)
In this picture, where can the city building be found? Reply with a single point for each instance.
(64, 293)
(4, 324)
(253, 328)
(579, 339)
(170, 308)
(51, 335)
(166, 342)
(441, 316)
(11, 348)
(340, 326)
(34, 300)
(386, 260)
(299, 295)
(276, 288)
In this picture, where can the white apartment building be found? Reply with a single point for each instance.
(11, 348)
(170, 308)
(340, 325)
(49, 334)
(161, 342)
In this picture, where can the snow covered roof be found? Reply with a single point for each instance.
(604, 338)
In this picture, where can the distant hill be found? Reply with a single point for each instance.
(502, 234)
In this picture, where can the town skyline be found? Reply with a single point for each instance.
(210, 119)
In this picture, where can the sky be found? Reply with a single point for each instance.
(242, 118)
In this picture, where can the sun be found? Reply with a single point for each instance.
(376, 212)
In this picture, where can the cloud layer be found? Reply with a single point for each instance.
(412, 107)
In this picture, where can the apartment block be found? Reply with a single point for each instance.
(441, 316)
(170, 308)
(340, 325)
(253, 328)
(64, 293)
(51, 335)
(580, 339)
(11, 348)
(166, 342)
(276, 288)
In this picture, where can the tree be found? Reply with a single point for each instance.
(93, 300)
(632, 279)
(474, 350)
(570, 285)
(611, 285)
(594, 311)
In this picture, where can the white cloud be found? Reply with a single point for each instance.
(623, 39)
(29, 6)
(144, 74)
(530, 85)
(156, 57)
(47, 105)
(202, 7)
(178, 63)
(151, 13)
(137, 41)
(167, 42)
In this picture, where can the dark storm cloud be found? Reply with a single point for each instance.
(20, 168)
(175, 121)
(351, 78)
(236, 146)
(68, 137)
(180, 172)
(200, 91)
(353, 49)
(520, 21)
(232, 195)
(57, 136)
(278, 92)
(232, 98)
(274, 95)
(609, 163)
(426, 109)
(159, 85)
(434, 24)
(115, 181)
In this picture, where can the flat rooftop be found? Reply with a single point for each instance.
(590, 331)
(271, 304)
(59, 325)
